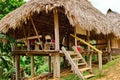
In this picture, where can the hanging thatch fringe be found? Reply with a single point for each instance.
(78, 12)
(115, 19)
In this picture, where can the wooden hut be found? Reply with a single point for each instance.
(115, 42)
(52, 17)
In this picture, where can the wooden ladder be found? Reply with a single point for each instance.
(78, 63)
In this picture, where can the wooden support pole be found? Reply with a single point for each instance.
(32, 65)
(100, 61)
(17, 66)
(57, 66)
(56, 28)
(49, 63)
(90, 60)
(75, 35)
(90, 55)
(57, 46)
(109, 50)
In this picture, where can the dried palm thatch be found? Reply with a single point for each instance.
(114, 17)
(78, 12)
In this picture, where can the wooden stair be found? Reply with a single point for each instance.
(76, 62)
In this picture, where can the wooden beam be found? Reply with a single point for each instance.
(57, 46)
(28, 38)
(38, 52)
(17, 66)
(32, 65)
(36, 32)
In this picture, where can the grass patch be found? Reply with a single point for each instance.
(112, 63)
(106, 67)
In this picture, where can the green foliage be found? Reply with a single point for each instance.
(7, 6)
(39, 65)
(6, 64)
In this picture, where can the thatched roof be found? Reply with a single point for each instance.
(114, 17)
(78, 12)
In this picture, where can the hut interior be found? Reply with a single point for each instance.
(43, 24)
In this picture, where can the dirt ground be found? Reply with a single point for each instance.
(112, 73)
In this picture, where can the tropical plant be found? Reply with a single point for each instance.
(7, 6)
(6, 63)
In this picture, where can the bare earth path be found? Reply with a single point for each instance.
(113, 73)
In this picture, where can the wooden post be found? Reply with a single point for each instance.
(75, 35)
(49, 63)
(17, 65)
(100, 61)
(56, 26)
(109, 50)
(90, 55)
(57, 46)
(90, 60)
(32, 65)
(57, 66)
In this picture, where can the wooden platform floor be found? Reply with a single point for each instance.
(37, 52)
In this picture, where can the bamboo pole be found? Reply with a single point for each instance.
(86, 43)
(57, 47)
